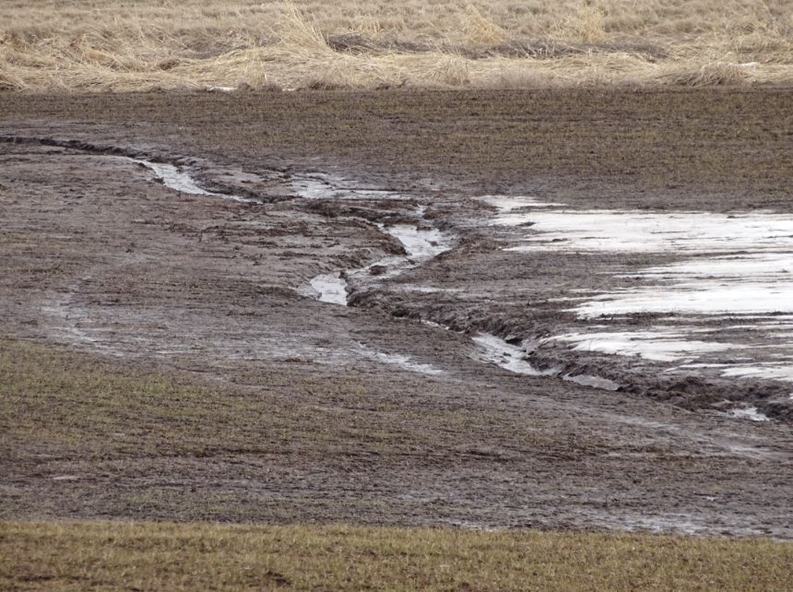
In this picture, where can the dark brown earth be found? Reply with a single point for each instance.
(127, 273)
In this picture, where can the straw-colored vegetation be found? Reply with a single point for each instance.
(145, 556)
(149, 44)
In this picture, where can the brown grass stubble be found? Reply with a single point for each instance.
(147, 556)
(90, 46)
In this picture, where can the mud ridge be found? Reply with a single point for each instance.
(143, 158)
(610, 372)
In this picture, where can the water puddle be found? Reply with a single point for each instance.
(313, 186)
(750, 413)
(651, 232)
(420, 244)
(660, 346)
(324, 186)
(328, 287)
(589, 380)
(735, 265)
(507, 203)
(178, 180)
(513, 358)
(400, 361)
(429, 289)
(510, 357)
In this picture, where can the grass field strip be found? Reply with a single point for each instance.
(733, 266)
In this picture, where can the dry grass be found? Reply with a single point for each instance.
(96, 45)
(145, 556)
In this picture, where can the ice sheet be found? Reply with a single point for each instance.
(636, 231)
(661, 346)
(510, 357)
(178, 180)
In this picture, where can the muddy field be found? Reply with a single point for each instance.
(550, 309)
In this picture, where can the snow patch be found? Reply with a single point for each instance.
(401, 361)
(507, 203)
(749, 413)
(510, 357)
(651, 232)
(661, 346)
(735, 265)
(597, 382)
(327, 287)
(178, 180)
(773, 371)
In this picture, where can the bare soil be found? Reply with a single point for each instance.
(99, 257)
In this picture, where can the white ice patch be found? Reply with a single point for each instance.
(313, 187)
(180, 181)
(400, 361)
(327, 287)
(507, 203)
(421, 244)
(704, 298)
(759, 283)
(749, 413)
(767, 265)
(652, 232)
(661, 346)
(508, 356)
(597, 382)
(736, 265)
(773, 371)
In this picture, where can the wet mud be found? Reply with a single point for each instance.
(432, 292)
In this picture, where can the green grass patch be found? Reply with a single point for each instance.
(148, 556)
(72, 405)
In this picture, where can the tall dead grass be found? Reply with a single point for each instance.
(79, 45)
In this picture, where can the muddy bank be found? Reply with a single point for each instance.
(449, 394)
